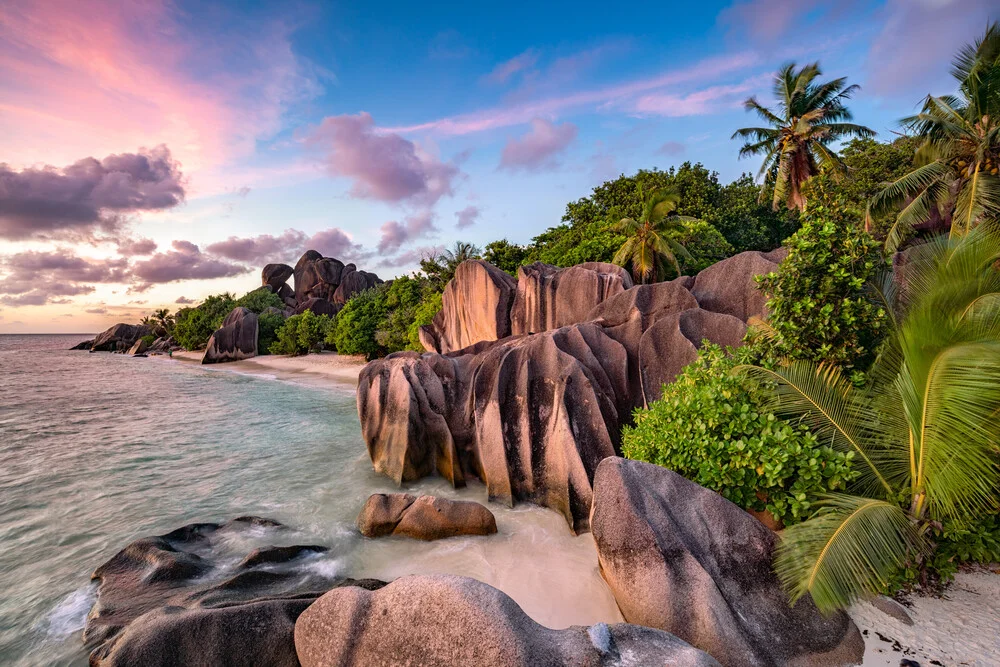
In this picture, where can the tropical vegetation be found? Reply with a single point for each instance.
(798, 140)
(651, 247)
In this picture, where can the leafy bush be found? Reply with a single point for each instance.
(817, 300)
(703, 242)
(710, 427)
(267, 330)
(260, 300)
(358, 321)
(301, 334)
(423, 314)
(194, 326)
(401, 301)
(148, 339)
(505, 255)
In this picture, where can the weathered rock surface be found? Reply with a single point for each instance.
(318, 306)
(548, 297)
(683, 559)
(674, 340)
(353, 281)
(444, 620)
(475, 307)
(729, 287)
(83, 345)
(140, 347)
(119, 337)
(533, 415)
(423, 517)
(316, 276)
(162, 602)
(235, 340)
(276, 276)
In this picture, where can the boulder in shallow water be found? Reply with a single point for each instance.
(235, 340)
(443, 620)
(423, 517)
(120, 337)
(174, 600)
(548, 297)
(475, 307)
(683, 559)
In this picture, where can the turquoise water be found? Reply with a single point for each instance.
(99, 449)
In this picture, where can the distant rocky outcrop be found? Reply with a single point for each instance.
(683, 559)
(235, 340)
(120, 337)
(329, 279)
(83, 345)
(168, 600)
(532, 416)
(548, 297)
(441, 621)
(475, 307)
(423, 517)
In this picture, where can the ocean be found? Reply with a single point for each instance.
(100, 449)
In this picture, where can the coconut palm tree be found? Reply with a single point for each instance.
(164, 319)
(441, 269)
(796, 144)
(924, 435)
(649, 245)
(955, 184)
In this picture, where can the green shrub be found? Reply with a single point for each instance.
(505, 255)
(260, 300)
(423, 314)
(194, 326)
(710, 427)
(358, 321)
(148, 339)
(267, 330)
(401, 301)
(301, 334)
(819, 307)
(704, 243)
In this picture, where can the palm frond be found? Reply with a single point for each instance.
(848, 550)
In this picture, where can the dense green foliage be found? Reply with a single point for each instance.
(259, 300)
(354, 331)
(423, 314)
(819, 307)
(440, 269)
(505, 255)
(704, 244)
(148, 339)
(194, 326)
(652, 247)
(301, 334)
(267, 330)
(711, 427)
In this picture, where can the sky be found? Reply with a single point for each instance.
(155, 152)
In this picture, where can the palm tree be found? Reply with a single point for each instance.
(796, 144)
(441, 269)
(649, 245)
(923, 435)
(164, 319)
(955, 184)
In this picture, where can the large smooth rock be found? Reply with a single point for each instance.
(475, 307)
(729, 286)
(423, 517)
(316, 276)
(531, 416)
(442, 621)
(140, 347)
(276, 276)
(235, 340)
(352, 282)
(673, 342)
(119, 337)
(83, 345)
(319, 307)
(683, 559)
(173, 600)
(548, 297)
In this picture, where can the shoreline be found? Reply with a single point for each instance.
(313, 368)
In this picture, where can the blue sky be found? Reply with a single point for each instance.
(246, 133)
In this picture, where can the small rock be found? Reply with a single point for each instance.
(424, 517)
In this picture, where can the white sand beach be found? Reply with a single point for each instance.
(310, 367)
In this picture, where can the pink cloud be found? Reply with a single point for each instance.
(766, 20)
(184, 262)
(395, 234)
(524, 112)
(913, 52)
(671, 149)
(35, 278)
(505, 70)
(266, 248)
(538, 148)
(411, 257)
(467, 217)
(709, 100)
(85, 77)
(382, 165)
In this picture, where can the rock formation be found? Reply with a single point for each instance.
(83, 345)
(533, 415)
(328, 279)
(237, 339)
(424, 517)
(318, 306)
(162, 601)
(683, 559)
(441, 621)
(475, 307)
(276, 275)
(120, 337)
(139, 348)
(548, 297)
